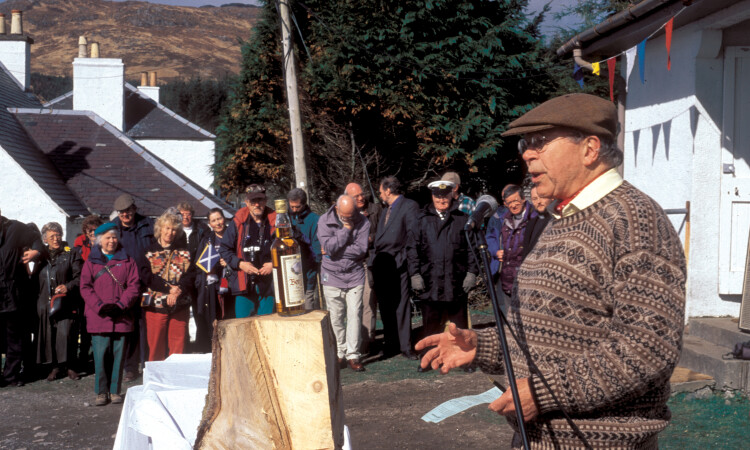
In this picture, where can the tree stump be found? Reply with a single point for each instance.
(274, 385)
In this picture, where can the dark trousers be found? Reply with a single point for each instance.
(136, 345)
(12, 326)
(203, 331)
(435, 314)
(109, 349)
(392, 291)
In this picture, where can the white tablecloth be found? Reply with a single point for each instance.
(164, 413)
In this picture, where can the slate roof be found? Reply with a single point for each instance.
(146, 118)
(98, 163)
(15, 141)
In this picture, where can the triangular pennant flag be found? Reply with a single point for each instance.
(611, 65)
(208, 258)
(630, 64)
(642, 60)
(668, 31)
(595, 67)
(578, 74)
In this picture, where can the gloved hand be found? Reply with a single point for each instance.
(110, 310)
(417, 283)
(469, 282)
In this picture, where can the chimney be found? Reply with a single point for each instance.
(94, 49)
(98, 86)
(82, 43)
(15, 49)
(149, 87)
(16, 21)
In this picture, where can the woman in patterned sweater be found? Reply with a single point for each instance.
(169, 281)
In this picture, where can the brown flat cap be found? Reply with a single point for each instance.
(124, 202)
(587, 113)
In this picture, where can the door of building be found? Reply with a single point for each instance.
(735, 179)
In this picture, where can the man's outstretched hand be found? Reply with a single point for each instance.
(453, 348)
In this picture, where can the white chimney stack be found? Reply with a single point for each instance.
(148, 86)
(16, 21)
(98, 86)
(15, 49)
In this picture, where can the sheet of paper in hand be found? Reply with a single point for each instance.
(457, 405)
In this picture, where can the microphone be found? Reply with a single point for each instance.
(486, 206)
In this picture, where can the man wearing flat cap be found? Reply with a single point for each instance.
(136, 234)
(445, 261)
(599, 301)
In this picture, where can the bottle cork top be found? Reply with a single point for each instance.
(280, 206)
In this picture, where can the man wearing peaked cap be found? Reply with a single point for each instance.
(599, 300)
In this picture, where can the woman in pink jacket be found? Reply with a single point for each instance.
(109, 287)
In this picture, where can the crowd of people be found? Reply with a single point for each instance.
(124, 292)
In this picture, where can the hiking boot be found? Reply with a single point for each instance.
(101, 399)
(116, 398)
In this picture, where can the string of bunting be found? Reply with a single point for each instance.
(630, 55)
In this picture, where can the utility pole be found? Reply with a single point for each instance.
(290, 78)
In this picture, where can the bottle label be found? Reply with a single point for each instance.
(293, 280)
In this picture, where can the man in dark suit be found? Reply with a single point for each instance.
(537, 222)
(394, 262)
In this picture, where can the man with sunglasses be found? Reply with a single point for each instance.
(598, 305)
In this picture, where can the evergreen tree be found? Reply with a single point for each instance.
(421, 86)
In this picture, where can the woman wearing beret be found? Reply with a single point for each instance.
(57, 335)
(169, 280)
(109, 286)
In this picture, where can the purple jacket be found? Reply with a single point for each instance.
(512, 240)
(96, 293)
(346, 250)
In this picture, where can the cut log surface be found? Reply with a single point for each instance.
(274, 385)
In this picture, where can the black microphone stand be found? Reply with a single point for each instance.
(481, 243)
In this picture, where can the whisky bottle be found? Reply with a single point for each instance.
(288, 276)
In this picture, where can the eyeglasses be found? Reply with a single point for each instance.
(514, 202)
(538, 142)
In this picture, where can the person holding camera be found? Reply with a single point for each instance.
(166, 303)
(246, 247)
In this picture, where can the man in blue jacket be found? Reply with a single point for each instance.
(305, 225)
(136, 235)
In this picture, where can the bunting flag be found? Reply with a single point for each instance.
(597, 70)
(668, 31)
(208, 258)
(611, 65)
(578, 74)
(630, 55)
(642, 60)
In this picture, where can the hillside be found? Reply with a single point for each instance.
(176, 41)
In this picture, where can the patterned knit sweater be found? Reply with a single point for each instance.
(598, 309)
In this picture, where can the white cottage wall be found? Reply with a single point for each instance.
(673, 153)
(23, 200)
(193, 158)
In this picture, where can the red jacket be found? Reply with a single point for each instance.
(83, 243)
